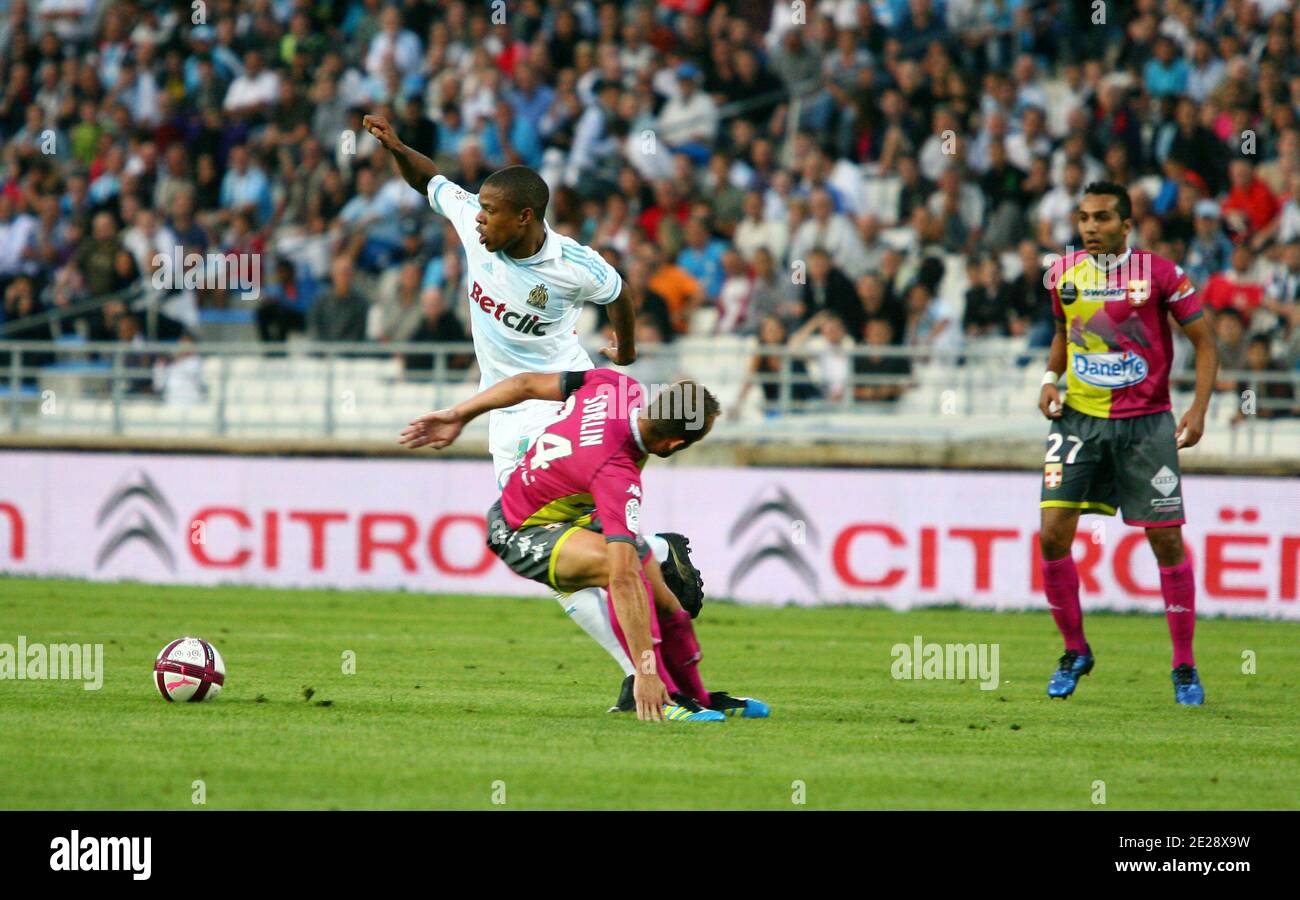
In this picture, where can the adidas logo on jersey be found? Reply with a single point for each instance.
(515, 321)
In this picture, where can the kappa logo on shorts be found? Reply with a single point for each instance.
(1052, 475)
(1165, 481)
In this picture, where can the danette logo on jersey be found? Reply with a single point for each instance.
(1110, 370)
(515, 321)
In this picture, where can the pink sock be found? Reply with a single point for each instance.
(1178, 587)
(1061, 582)
(682, 653)
(663, 671)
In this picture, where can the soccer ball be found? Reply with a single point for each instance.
(189, 669)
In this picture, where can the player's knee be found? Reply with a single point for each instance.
(1054, 542)
(1167, 545)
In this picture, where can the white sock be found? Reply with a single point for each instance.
(587, 607)
(658, 546)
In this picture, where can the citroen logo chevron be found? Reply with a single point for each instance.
(781, 511)
(143, 505)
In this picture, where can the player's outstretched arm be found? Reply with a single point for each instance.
(632, 608)
(1192, 425)
(440, 428)
(416, 168)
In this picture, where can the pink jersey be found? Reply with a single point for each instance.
(588, 460)
(1119, 346)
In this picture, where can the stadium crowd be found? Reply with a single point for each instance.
(807, 180)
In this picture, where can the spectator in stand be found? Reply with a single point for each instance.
(18, 250)
(438, 325)
(688, 122)
(756, 230)
(340, 313)
(393, 47)
(1230, 342)
(774, 293)
(180, 380)
(959, 206)
(284, 305)
(682, 293)
(829, 346)
(1288, 221)
(1210, 251)
(734, 296)
(829, 289)
(766, 369)
(245, 187)
(395, 314)
(1166, 73)
(1240, 287)
(95, 258)
(875, 375)
(1272, 386)
(930, 323)
(988, 307)
(702, 257)
(880, 303)
(1250, 207)
(1282, 296)
(830, 231)
(254, 91)
(1056, 225)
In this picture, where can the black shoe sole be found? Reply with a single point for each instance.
(680, 574)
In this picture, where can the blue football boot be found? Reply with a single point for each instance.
(1072, 667)
(1187, 686)
(745, 707)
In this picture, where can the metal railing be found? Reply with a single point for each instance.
(321, 389)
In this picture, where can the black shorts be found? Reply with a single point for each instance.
(1099, 465)
(532, 551)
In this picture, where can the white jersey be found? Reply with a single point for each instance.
(523, 312)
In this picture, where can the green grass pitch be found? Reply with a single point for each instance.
(460, 701)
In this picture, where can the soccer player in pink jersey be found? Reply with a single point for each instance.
(1113, 443)
(569, 517)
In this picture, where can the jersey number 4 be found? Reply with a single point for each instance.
(547, 448)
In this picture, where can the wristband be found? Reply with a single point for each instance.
(1050, 377)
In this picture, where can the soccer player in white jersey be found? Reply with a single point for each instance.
(526, 286)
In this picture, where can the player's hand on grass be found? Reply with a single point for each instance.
(437, 429)
(1049, 401)
(651, 697)
(1191, 428)
(381, 131)
(618, 356)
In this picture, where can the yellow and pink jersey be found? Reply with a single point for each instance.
(1118, 340)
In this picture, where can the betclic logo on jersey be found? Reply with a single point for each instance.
(515, 321)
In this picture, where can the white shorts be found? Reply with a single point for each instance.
(511, 433)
